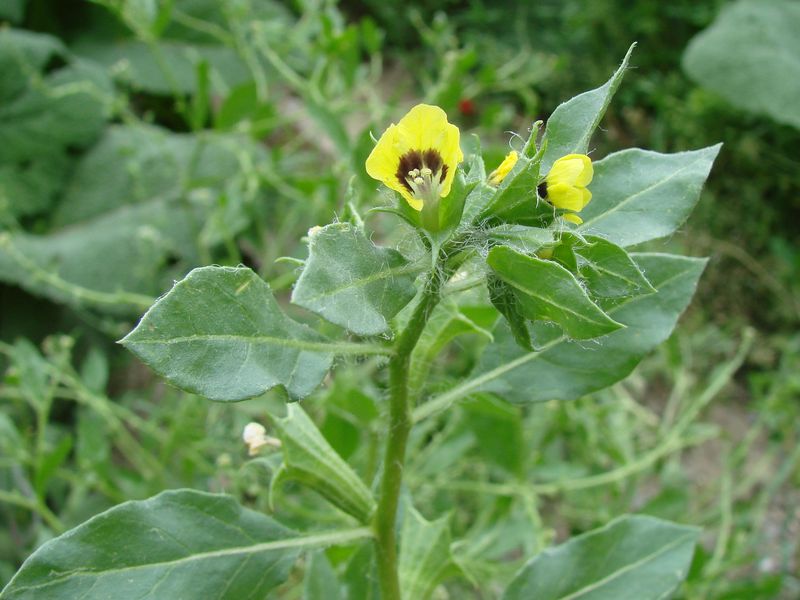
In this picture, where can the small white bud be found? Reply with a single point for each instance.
(255, 436)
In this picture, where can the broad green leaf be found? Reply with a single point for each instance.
(174, 180)
(67, 109)
(320, 581)
(136, 164)
(353, 283)
(523, 239)
(172, 70)
(632, 558)
(135, 243)
(749, 56)
(425, 558)
(572, 123)
(608, 271)
(639, 195)
(45, 114)
(567, 370)
(547, 291)
(309, 459)
(179, 544)
(23, 53)
(505, 300)
(220, 333)
(30, 187)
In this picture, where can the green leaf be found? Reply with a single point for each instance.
(608, 271)
(310, 459)
(547, 291)
(631, 558)
(505, 300)
(168, 68)
(450, 319)
(572, 123)
(567, 370)
(320, 581)
(749, 56)
(360, 577)
(179, 544)
(220, 333)
(352, 282)
(13, 10)
(515, 200)
(640, 195)
(135, 243)
(523, 239)
(425, 558)
(45, 113)
(138, 164)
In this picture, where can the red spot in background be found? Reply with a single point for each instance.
(467, 107)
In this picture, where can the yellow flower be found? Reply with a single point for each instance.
(565, 184)
(418, 156)
(497, 176)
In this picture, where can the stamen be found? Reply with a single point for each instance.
(422, 173)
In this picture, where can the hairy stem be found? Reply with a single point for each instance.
(400, 423)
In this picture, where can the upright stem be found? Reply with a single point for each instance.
(399, 427)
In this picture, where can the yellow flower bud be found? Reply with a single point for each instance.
(497, 176)
(566, 183)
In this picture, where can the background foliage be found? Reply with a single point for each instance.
(141, 139)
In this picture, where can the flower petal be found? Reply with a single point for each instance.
(451, 156)
(573, 218)
(587, 197)
(585, 178)
(566, 196)
(385, 156)
(425, 127)
(572, 169)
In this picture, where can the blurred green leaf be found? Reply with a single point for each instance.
(220, 333)
(320, 582)
(640, 195)
(572, 123)
(310, 459)
(360, 577)
(13, 10)
(450, 319)
(631, 558)
(50, 105)
(170, 67)
(547, 291)
(567, 370)
(135, 243)
(352, 282)
(749, 56)
(425, 558)
(180, 543)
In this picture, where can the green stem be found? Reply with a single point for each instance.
(400, 423)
